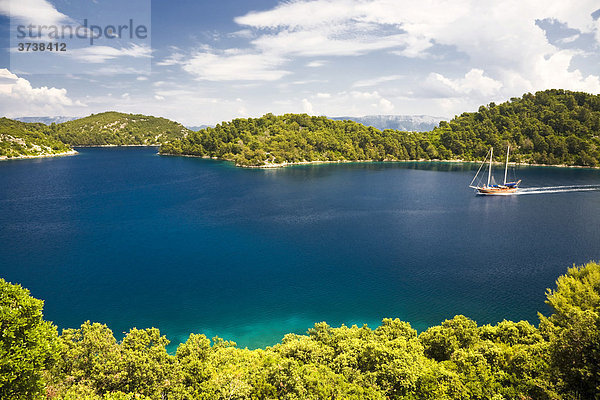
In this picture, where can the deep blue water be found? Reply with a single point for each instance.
(128, 238)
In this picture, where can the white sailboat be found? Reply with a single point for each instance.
(492, 188)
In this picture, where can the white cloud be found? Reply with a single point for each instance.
(101, 54)
(300, 14)
(344, 103)
(234, 64)
(556, 70)
(415, 46)
(377, 81)
(243, 33)
(307, 106)
(116, 69)
(174, 92)
(37, 12)
(502, 38)
(308, 81)
(473, 83)
(242, 112)
(570, 39)
(426, 57)
(141, 78)
(333, 27)
(15, 92)
(327, 41)
(365, 95)
(316, 63)
(385, 105)
(174, 59)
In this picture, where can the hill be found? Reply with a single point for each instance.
(18, 139)
(293, 138)
(119, 129)
(407, 123)
(549, 127)
(556, 127)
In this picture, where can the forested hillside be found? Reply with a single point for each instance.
(556, 127)
(28, 139)
(293, 138)
(550, 127)
(110, 128)
(458, 359)
(114, 128)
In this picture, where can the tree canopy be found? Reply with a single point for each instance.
(293, 138)
(28, 344)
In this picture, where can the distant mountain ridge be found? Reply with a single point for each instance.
(45, 120)
(407, 123)
(196, 128)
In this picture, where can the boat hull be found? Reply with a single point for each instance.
(492, 191)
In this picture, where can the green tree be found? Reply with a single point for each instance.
(441, 342)
(574, 331)
(91, 355)
(148, 368)
(28, 344)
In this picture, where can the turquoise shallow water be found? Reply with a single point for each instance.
(128, 238)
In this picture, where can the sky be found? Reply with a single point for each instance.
(204, 62)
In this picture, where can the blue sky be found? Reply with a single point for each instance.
(208, 61)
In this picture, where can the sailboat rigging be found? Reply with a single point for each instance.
(491, 188)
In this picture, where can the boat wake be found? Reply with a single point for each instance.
(557, 189)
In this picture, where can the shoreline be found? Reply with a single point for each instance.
(291, 164)
(25, 157)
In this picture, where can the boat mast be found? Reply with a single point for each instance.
(490, 171)
(506, 166)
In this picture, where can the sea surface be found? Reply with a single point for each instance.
(128, 238)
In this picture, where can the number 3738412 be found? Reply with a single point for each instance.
(41, 46)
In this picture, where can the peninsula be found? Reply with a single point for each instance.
(29, 140)
(553, 127)
(26, 140)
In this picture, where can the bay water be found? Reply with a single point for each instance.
(125, 237)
